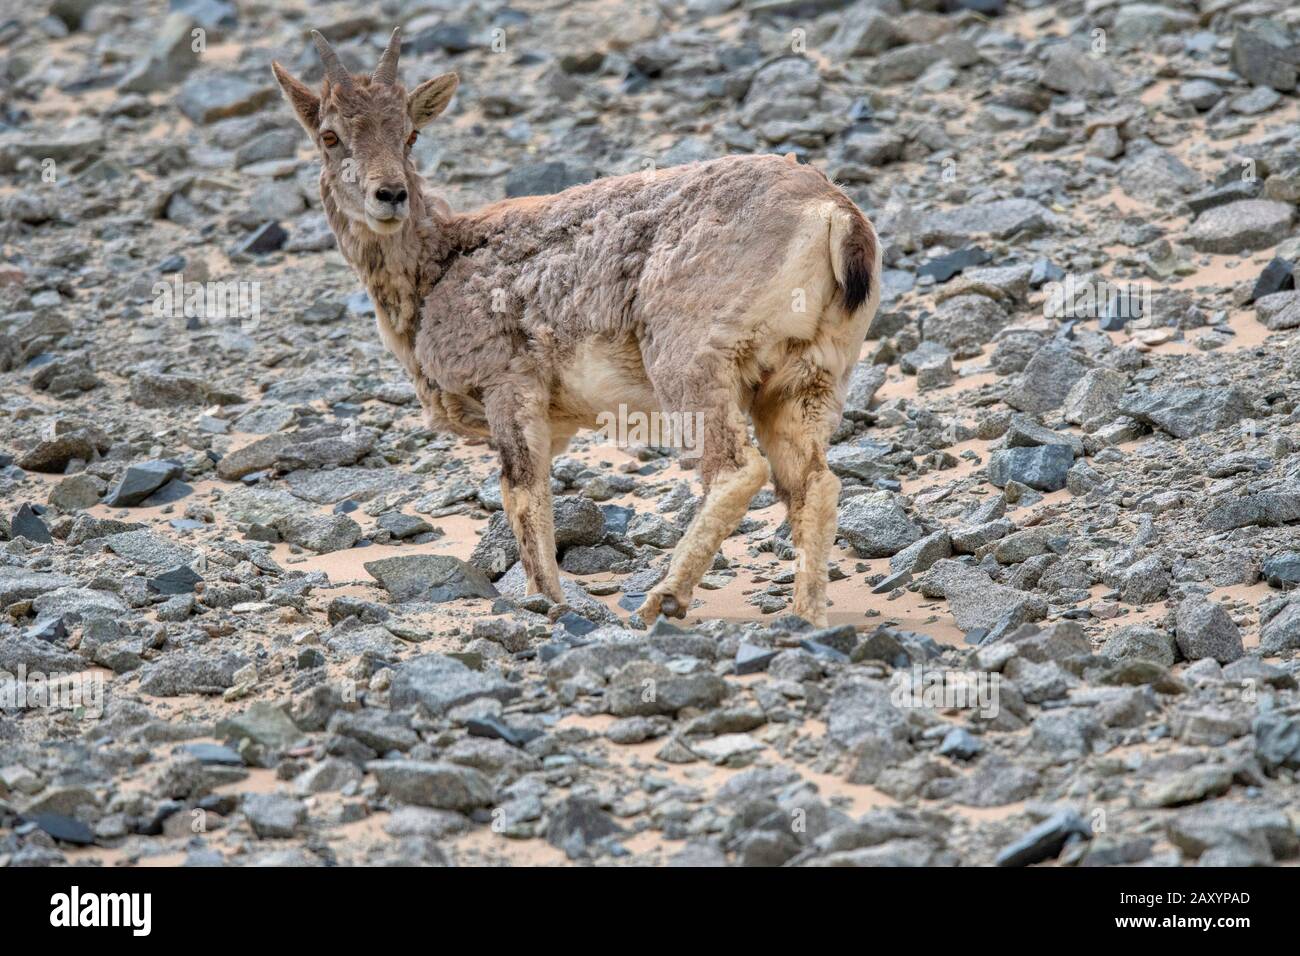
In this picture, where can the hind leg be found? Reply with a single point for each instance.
(793, 428)
(522, 436)
(732, 471)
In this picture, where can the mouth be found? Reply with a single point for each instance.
(385, 227)
(385, 220)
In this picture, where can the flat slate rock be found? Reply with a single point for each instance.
(1187, 412)
(28, 524)
(148, 549)
(178, 580)
(19, 584)
(138, 482)
(64, 828)
(1045, 841)
(216, 754)
(440, 683)
(433, 578)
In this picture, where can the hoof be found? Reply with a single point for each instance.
(659, 603)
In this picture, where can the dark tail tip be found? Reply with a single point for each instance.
(857, 283)
(858, 255)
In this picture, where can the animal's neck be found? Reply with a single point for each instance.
(399, 269)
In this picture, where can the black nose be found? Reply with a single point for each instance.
(392, 194)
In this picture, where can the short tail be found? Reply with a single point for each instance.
(853, 255)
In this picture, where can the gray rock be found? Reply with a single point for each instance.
(1264, 56)
(148, 549)
(320, 533)
(210, 95)
(169, 60)
(1095, 398)
(864, 462)
(138, 482)
(1044, 467)
(434, 578)
(79, 605)
(859, 710)
(1279, 311)
(35, 654)
(577, 824)
(332, 485)
(578, 521)
(1187, 412)
(440, 683)
(52, 455)
(653, 530)
(497, 550)
(864, 382)
(19, 584)
(1156, 173)
(1068, 69)
(868, 34)
(26, 523)
(1024, 432)
(1047, 380)
(964, 323)
(975, 601)
(1201, 94)
(263, 723)
(441, 786)
(931, 363)
(922, 554)
(1204, 629)
(1001, 219)
(643, 689)
(875, 526)
(1045, 841)
(379, 730)
(329, 776)
(1277, 740)
(911, 61)
(1137, 23)
(1143, 643)
(1144, 581)
(402, 526)
(273, 816)
(273, 144)
(1242, 226)
(1196, 830)
(1281, 632)
(190, 672)
(78, 492)
(159, 390)
(1268, 509)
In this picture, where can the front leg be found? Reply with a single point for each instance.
(522, 436)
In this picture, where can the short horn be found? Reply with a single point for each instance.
(335, 72)
(386, 71)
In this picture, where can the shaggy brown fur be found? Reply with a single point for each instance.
(739, 288)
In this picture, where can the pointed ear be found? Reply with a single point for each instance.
(430, 98)
(305, 103)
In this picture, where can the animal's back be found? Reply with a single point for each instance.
(676, 260)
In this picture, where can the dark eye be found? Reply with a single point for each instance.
(410, 140)
(329, 139)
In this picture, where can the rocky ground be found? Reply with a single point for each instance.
(304, 612)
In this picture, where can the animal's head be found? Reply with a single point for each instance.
(364, 127)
